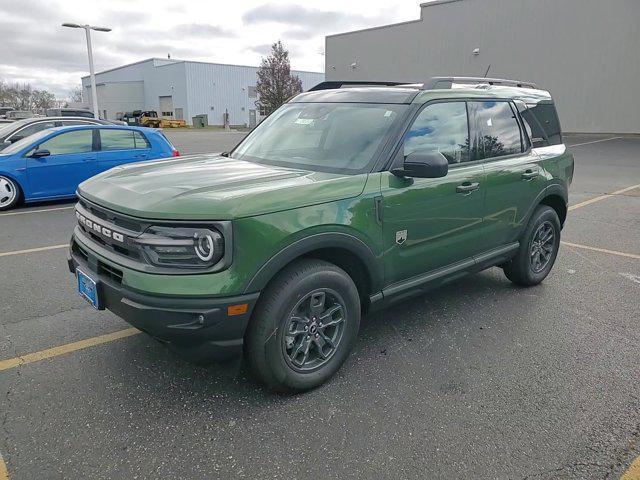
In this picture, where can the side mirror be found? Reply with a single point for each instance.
(40, 153)
(423, 165)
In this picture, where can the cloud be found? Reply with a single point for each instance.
(202, 30)
(306, 21)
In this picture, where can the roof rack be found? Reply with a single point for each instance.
(446, 82)
(344, 83)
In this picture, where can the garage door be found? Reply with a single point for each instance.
(166, 106)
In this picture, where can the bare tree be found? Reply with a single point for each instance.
(75, 95)
(275, 82)
(22, 96)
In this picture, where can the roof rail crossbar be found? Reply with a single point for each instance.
(328, 85)
(446, 82)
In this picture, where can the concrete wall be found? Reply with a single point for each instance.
(196, 87)
(584, 51)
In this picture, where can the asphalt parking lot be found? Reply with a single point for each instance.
(479, 379)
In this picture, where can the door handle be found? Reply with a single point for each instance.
(529, 175)
(466, 188)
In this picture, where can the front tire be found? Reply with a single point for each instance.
(304, 326)
(538, 249)
(9, 193)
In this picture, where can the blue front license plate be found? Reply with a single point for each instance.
(88, 288)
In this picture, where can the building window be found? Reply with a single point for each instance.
(253, 93)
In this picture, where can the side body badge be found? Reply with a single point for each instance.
(401, 236)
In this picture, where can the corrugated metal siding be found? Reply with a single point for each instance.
(213, 89)
(584, 51)
(197, 88)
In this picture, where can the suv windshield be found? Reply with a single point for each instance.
(329, 137)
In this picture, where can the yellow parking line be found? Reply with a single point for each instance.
(602, 197)
(601, 250)
(593, 141)
(4, 472)
(41, 210)
(32, 250)
(63, 349)
(632, 473)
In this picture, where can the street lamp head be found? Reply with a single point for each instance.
(75, 25)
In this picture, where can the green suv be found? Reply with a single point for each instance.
(342, 201)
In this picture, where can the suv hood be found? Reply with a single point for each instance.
(213, 187)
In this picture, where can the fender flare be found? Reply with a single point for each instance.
(551, 189)
(315, 242)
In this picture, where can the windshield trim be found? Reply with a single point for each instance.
(390, 134)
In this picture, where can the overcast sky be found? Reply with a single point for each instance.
(35, 48)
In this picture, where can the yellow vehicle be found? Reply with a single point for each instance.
(151, 119)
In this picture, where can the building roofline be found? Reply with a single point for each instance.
(129, 65)
(437, 2)
(422, 5)
(186, 61)
(245, 66)
(380, 27)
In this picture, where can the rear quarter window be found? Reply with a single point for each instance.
(542, 123)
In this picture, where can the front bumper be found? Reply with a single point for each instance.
(197, 327)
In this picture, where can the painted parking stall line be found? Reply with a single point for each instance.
(601, 250)
(632, 473)
(594, 141)
(34, 250)
(603, 197)
(4, 471)
(43, 210)
(64, 349)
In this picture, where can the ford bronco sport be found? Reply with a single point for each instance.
(342, 201)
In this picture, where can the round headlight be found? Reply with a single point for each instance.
(204, 246)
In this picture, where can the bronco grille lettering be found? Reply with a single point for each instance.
(97, 228)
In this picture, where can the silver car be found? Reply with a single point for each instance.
(14, 131)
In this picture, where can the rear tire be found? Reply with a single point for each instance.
(10, 193)
(303, 327)
(538, 249)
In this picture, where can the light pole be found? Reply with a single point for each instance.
(87, 29)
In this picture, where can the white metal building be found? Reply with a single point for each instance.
(183, 89)
(584, 51)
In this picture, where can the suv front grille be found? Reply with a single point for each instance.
(112, 217)
(103, 269)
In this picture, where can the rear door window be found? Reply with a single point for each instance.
(495, 130)
(122, 140)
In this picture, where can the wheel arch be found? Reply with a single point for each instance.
(343, 250)
(22, 192)
(556, 197)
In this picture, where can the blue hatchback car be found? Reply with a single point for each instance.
(50, 164)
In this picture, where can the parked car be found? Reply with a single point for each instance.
(69, 112)
(23, 128)
(4, 111)
(341, 201)
(51, 163)
(19, 114)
